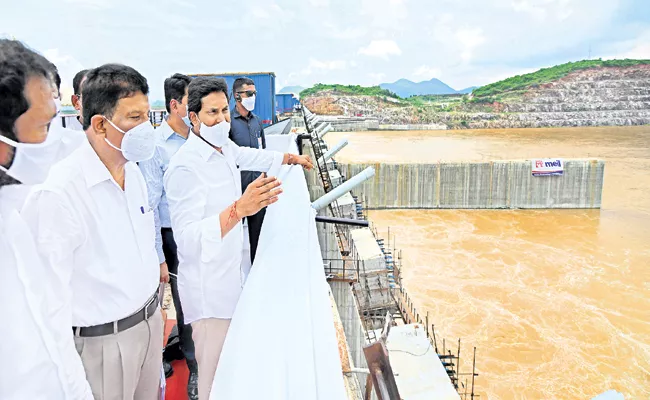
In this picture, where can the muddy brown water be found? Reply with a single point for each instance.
(556, 301)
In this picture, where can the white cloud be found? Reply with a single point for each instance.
(469, 39)
(269, 15)
(542, 9)
(67, 66)
(385, 14)
(529, 7)
(320, 3)
(184, 3)
(469, 42)
(381, 49)
(638, 48)
(98, 4)
(323, 66)
(426, 72)
(376, 76)
(347, 33)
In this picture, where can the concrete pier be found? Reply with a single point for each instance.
(480, 185)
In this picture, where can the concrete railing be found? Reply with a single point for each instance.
(496, 184)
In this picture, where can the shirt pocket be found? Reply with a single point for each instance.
(145, 231)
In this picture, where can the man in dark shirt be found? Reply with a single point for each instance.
(246, 131)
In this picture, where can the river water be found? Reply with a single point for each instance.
(556, 301)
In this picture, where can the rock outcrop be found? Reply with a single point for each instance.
(603, 96)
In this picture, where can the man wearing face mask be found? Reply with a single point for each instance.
(65, 140)
(56, 89)
(203, 186)
(31, 167)
(92, 223)
(171, 135)
(246, 131)
(39, 359)
(77, 82)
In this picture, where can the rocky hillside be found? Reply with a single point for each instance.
(598, 95)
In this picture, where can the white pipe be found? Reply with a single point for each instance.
(360, 370)
(325, 130)
(340, 145)
(343, 188)
(319, 127)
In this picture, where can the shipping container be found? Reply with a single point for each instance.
(265, 86)
(285, 102)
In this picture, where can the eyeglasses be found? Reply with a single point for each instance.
(249, 93)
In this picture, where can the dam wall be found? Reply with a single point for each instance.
(480, 185)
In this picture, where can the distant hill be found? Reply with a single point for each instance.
(351, 90)
(291, 89)
(406, 88)
(468, 90)
(581, 93)
(519, 83)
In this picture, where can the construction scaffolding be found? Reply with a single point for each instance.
(372, 266)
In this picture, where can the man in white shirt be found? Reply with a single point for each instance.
(203, 186)
(170, 136)
(75, 122)
(39, 360)
(92, 223)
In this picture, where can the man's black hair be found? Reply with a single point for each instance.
(202, 86)
(17, 64)
(175, 87)
(105, 86)
(239, 83)
(57, 79)
(76, 81)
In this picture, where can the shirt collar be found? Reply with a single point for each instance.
(236, 114)
(167, 132)
(93, 168)
(201, 146)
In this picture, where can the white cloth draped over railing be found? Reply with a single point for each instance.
(282, 344)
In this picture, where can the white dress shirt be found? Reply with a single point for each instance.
(71, 122)
(153, 170)
(98, 238)
(200, 184)
(39, 359)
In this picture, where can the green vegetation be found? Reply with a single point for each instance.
(436, 102)
(489, 93)
(354, 90)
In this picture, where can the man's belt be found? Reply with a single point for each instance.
(114, 327)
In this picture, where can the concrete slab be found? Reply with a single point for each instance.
(418, 371)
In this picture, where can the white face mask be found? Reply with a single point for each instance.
(186, 118)
(32, 161)
(139, 142)
(216, 135)
(57, 103)
(248, 103)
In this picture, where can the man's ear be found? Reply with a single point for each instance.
(74, 100)
(194, 119)
(98, 123)
(173, 105)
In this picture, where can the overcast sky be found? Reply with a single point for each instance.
(461, 42)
